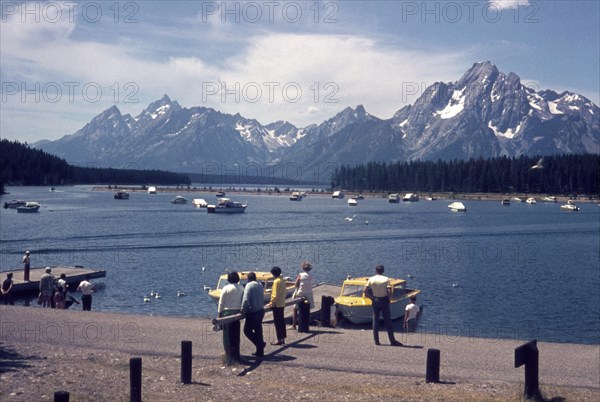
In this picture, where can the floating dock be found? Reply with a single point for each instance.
(74, 275)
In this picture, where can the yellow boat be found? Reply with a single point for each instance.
(265, 278)
(356, 307)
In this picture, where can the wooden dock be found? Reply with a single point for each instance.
(74, 276)
(319, 291)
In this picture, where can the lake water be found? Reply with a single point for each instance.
(523, 271)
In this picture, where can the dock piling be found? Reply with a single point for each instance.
(433, 366)
(326, 303)
(186, 362)
(135, 379)
(61, 396)
(303, 315)
(528, 355)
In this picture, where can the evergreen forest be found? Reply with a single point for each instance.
(561, 174)
(22, 165)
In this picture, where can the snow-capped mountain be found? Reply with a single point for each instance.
(486, 113)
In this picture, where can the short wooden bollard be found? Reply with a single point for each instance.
(326, 303)
(432, 373)
(135, 379)
(528, 355)
(61, 396)
(303, 315)
(186, 362)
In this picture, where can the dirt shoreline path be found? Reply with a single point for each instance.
(87, 354)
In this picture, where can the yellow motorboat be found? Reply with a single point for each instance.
(356, 307)
(265, 278)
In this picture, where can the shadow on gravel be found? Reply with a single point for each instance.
(11, 360)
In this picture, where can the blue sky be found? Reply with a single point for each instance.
(63, 62)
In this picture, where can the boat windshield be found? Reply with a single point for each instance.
(353, 290)
(398, 292)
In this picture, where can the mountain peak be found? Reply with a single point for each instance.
(160, 107)
(480, 71)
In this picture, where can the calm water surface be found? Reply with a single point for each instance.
(523, 271)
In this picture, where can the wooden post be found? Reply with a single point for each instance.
(528, 355)
(135, 379)
(326, 303)
(186, 362)
(433, 366)
(61, 396)
(303, 315)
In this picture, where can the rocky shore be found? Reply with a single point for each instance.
(87, 354)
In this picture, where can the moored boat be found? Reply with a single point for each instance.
(29, 207)
(199, 203)
(570, 206)
(121, 195)
(13, 204)
(296, 196)
(179, 200)
(505, 201)
(352, 202)
(151, 190)
(410, 197)
(457, 207)
(394, 198)
(225, 205)
(220, 193)
(265, 278)
(357, 308)
(549, 198)
(531, 200)
(337, 194)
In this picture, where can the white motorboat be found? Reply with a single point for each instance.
(517, 199)
(393, 198)
(296, 196)
(199, 203)
(29, 207)
(531, 200)
(357, 308)
(569, 206)
(337, 194)
(457, 207)
(549, 198)
(352, 202)
(179, 200)
(225, 205)
(151, 190)
(410, 197)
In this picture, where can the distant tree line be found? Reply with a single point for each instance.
(23, 165)
(564, 174)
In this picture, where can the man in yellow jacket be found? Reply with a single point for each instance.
(278, 294)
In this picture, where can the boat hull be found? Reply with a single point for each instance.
(361, 311)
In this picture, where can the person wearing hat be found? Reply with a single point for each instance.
(304, 285)
(7, 287)
(47, 288)
(26, 266)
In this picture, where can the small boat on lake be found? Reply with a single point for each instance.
(121, 195)
(296, 196)
(199, 203)
(410, 197)
(226, 206)
(29, 207)
(357, 308)
(570, 206)
(179, 200)
(531, 200)
(13, 204)
(352, 202)
(337, 194)
(151, 190)
(506, 201)
(549, 198)
(220, 193)
(265, 278)
(394, 198)
(457, 207)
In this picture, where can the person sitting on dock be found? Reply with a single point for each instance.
(86, 288)
(47, 288)
(304, 288)
(7, 287)
(230, 303)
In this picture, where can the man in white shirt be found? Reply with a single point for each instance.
(86, 288)
(230, 303)
(379, 287)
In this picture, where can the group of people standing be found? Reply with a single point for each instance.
(250, 301)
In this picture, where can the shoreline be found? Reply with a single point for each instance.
(86, 353)
(378, 194)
